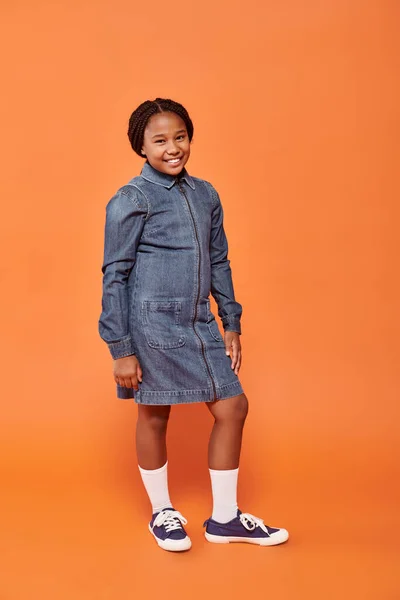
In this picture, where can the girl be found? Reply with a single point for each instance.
(165, 250)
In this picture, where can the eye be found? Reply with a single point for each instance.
(159, 141)
(181, 136)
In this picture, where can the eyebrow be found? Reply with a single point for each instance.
(165, 135)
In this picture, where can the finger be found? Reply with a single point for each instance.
(238, 356)
(135, 384)
(234, 355)
(139, 374)
(128, 381)
(239, 361)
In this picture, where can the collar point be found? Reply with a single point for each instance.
(155, 176)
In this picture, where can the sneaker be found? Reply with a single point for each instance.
(244, 528)
(166, 526)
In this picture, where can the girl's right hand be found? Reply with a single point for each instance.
(128, 372)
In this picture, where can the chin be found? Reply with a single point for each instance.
(170, 171)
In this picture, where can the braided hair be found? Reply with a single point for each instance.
(141, 115)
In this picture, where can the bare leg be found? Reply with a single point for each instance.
(226, 437)
(151, 431)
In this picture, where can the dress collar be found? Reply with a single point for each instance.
(155, 176)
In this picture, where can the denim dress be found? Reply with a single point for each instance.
(165, 251)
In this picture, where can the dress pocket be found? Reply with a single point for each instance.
(162, 323)
(213, 325)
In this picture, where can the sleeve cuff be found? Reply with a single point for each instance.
(122, 348)
(231, 324)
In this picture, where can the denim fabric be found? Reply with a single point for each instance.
(165, 251)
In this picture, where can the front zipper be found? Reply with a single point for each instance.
(198, 291)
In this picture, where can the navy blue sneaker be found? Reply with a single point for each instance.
(166, 526)
(244, 528)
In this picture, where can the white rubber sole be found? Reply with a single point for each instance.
(276, 538)
(173, 545)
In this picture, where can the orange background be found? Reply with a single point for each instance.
(295, 106)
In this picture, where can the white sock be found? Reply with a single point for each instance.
(156, 484)
(224, 491)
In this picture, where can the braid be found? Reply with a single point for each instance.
(140, 117)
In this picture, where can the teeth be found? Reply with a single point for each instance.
(174, 160)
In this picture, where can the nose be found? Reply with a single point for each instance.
(172, 149)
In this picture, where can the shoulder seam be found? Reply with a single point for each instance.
(135, 199)
(213, 193)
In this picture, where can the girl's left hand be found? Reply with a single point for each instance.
(232, 345)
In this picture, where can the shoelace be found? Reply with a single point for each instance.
(251, 522)
(171, 519)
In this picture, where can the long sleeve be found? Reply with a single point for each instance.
(125, 218)
(229, 310)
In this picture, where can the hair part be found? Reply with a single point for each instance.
(141, 115)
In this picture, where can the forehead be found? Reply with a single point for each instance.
(166, 122)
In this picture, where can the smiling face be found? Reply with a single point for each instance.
(166, 143)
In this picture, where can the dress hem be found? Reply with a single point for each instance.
(179, 397)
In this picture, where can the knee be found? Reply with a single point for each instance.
(242, 408)
(235, 410)
(156, 418)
